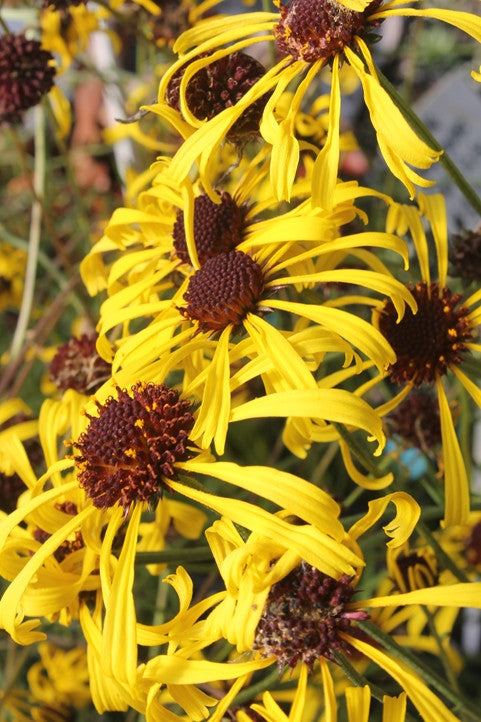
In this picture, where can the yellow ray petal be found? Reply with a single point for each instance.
(456, 482)
(427, 703)
(119, 645)
(400, 528)
(213, 415)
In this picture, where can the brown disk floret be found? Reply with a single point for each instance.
(218, 227)
(26, 74)
(223, 291)
(220, 85)
(77, 365)
(320, 29)
(428, 342)
(304, 615)
(129, 450)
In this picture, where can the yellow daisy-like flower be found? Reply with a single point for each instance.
(52, 542)
(310, 34)
(233, 262)
(66, 34)
(60, 678)
(15, 420)
(434, 341)
(12, 273)
(136, 448)
(290, 614)
(288, 611)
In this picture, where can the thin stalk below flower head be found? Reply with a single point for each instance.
(35, 231)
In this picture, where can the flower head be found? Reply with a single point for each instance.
(320, 29)
(413, 569)
(26, 74)
(312, 34)
(218, 227)
(427, 343)
(224, 291)
(219, 85)
(432, 344)
(77, 365)
(133, 444)
(303, 617)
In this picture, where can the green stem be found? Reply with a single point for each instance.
(34, 234)
(422, 669)
(425, 134)
(357, 679)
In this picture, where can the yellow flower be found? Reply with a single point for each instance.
(12, 272)
(15, 421)
(234, 268)
(310, 34)
(431, 344)
(67, 37)
(52, 543)
(290, 613)
(60, 546)
(60, 678)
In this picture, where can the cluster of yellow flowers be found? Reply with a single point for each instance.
(247, 292)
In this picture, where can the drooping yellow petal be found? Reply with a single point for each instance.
(61, 112)
(394, 708)
(358, 332)
(106, 694)
(393, 131)
(11, 613)
(285, 146)
(433, 206)
(470, 23)
(326, 165)
(226, 701)
(400, 528)
(213, 415)
(469, 385)
(318, 549)
(383, 284)
(170, 669)
(119, 646)
(223, 29)
(330, 701)
(456, 483)
(288, 491)
(275, 346)
(361, 479)
(426, 702)
(323, 404)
